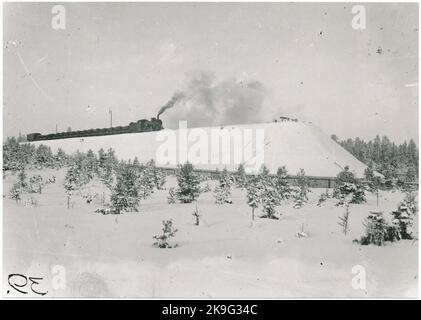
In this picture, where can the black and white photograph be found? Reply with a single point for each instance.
(210, 150)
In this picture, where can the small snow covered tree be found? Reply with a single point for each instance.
(253, 196)
(222, 192)
(157, 176)
(35, 184)
(301, 195)
(345, 176)
(60, 158)
(90, 163)
(16, 192)
(188, 184)
(403, 217)
(146, 182)
(125, 195)
(264, 177)
(107, 164)
(343, 221)
(347, 185)
(241, 177)
(22, 179)
(282, 184)
(196, 215)
(323, 197)
(377, 230)
(43, 157)
(171, 196)
(270, 199)
(168, 232)
(71, 183)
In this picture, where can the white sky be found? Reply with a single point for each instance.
(132, 57)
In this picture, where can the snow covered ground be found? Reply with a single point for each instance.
(110, 256)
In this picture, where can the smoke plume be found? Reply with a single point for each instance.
(176, 97)
(208, 102)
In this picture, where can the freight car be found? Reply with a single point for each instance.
(142, 125)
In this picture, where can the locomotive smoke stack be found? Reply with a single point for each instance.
(175, 98)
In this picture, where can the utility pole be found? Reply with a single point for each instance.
(111, 117)
(56, 127)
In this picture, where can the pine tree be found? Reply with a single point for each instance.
(343, 221)
(125, 195)
(156, 175)
(168, 232)
(347, 186)
(377, 230)
(241, 177)
(403, 217)
(35, 184)
(90, 164)
(107, 164)
(71, 183)
(188, 184)
(61, 159)
(270, 199)
(282, 184)
(223, 191)
(171, 196)
(253, 196)
(300, 196)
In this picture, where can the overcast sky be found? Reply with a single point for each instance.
(132, 57)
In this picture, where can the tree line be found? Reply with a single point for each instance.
(394, 161)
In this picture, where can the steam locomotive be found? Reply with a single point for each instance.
(143, 125)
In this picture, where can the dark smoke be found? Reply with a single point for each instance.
(208, 102)
(176, 97)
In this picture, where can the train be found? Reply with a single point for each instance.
(143, 125)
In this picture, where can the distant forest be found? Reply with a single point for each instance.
(394, 161)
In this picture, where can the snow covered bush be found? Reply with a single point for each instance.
(377, 230)
(168, 232)
(188, 184)
(403, 217)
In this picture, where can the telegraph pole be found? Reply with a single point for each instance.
(111, 117)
